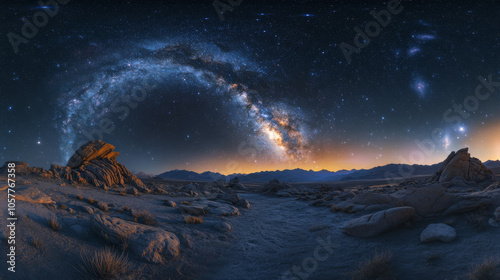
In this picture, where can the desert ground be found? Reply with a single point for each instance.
(227, 230)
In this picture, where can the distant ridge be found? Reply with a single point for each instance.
(301, 175)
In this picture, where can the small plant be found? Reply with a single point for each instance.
(103, 264)
(36, 243)
(62, 206)
(379, 267)
(185, 203)
(478, 219)
(124, 240)
(79, 197)
(124, 209)
(91, 200)
(103, 206)
(193, 220)
(485, 271)
(53, 223)
(145, 217)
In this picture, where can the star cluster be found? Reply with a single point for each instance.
(173, 86)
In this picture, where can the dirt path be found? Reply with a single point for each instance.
(275, 235)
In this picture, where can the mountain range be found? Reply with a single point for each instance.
(301, 175)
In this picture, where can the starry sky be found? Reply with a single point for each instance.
(274, 85)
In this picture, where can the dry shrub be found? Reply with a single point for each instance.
(485, 271)
(36, 243)
(478, 219)
(79, 197)
(103, 264)
(91, 200)
(62, 206)
(379, 267)
(193, 220)
(54, 224)
(124, 209)
(145, 217)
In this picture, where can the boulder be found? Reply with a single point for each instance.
(374, 224)
(223, 227)
(195, 210)
(153, 244)
(95, 163)
(169, 203)
(232, 198)
(438, 232)
(222, 209)
(468, 203)
(426, 199)
(275, 186)
(461, 166)
(243, 203)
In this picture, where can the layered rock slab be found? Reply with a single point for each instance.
(153, 244)
(377, 223)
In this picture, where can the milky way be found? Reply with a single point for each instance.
(85, 104)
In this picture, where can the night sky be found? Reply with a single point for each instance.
(172, 86)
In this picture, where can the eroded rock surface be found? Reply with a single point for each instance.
(438, 232)
(153, 244)
(374, 224)
(460, 167)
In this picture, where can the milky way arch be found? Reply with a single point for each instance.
(87, 101)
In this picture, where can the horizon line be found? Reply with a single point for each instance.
(277, 170)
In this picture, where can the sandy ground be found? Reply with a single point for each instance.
(280, 233)
(278, 238)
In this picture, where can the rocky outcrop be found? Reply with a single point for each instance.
(95, 163)
(153, 244)
(374, 224)
(438, 232)
(275, 186)
(460, 168)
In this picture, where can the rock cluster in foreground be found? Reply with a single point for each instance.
(93, 163)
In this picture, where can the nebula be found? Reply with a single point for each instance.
(94, 95)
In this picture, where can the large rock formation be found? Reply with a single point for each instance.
(95, 163)
(460, 168)
(374, 224)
